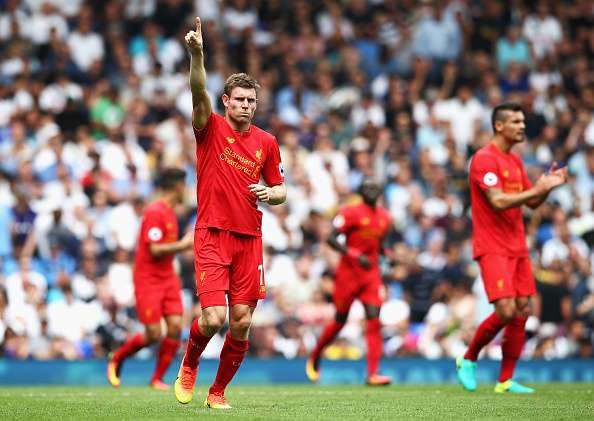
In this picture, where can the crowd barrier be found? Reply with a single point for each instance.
(281, 371)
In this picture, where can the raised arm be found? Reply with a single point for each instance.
(201, 107)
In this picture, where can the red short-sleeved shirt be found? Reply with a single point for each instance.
(159, 225)
(227, 162)
(497, 232)
(365, 229)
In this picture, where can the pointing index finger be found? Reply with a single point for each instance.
(198, 24)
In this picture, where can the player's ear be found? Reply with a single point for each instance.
(225, 99)
(498, 126)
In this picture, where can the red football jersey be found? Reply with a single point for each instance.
(496, 232)
(228, 161)
(365, 228)
(159, 225)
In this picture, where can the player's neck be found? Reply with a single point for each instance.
(502, 144)
(168, 198)
(370, 205)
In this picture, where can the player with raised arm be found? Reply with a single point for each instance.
(358, 276)
(499, 187)
(232, 156)
(156, 286)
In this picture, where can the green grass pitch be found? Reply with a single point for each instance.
(443, 402)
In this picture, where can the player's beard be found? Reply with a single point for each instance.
(241, 119)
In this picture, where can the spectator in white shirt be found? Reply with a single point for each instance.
(543, 30)
(86, 46)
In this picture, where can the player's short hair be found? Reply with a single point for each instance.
(169, 177)
(240, 80)
(500, 110)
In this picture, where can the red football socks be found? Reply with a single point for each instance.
(130, 347)
(166, 354)
(513, 342)
(328, 335)
(374, 345)
(232, 355)
(485, 333)
(196, 344)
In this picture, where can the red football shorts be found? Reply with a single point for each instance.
(366, 286)
(507, 276)
(157, 299)
(228, 264)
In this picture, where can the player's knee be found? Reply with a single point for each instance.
(241, 324)
(505, 309)
(213, 322)
(524, 311)
(174, 331)
(506, 313)
(341, 318)
(372, 312)
(153, 333)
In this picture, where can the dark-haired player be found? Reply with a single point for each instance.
(156, 286)
(231, 157)
(499, 187)
(358, 277)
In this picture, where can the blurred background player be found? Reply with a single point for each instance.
(499, 187)
(358, 276)
(157, 287)
(232, 155)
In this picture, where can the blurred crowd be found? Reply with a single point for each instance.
(94, 100)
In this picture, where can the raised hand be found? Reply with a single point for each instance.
(194, 39)
(553, 178)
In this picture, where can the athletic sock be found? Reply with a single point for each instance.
(328, 335)
(513, 342)
(232, 355)
(485, 333)
(130, 347)
(166, 354)
(196, 344)
(374, 345)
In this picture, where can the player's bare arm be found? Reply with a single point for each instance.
(164, 249)
(201, 107)
(533, 196)
(335, 242)
(274, 195)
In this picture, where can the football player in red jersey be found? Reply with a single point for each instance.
(232, 156)
(358, 276)
(156, 286)
(499, 187)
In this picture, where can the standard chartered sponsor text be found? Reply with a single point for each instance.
(246, 165)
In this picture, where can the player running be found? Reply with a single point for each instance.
(156, 286)
(499, 187)
(232, 156)
(358, 276)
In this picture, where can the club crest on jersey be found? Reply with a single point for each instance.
(490, 179)
(230, 139)
(505, 173)
(365, 221)
(259, 154)
(155, 234)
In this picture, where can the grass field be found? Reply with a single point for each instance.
(551, 402)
